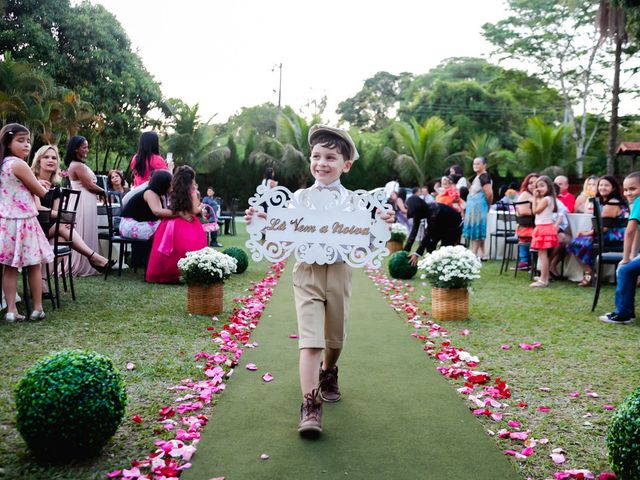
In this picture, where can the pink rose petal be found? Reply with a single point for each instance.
(293, 336)
(251, 366)
(131, 366)
(574, 394)
(505, 347)
(513, 423)
(114, 474)
(267, 377)
(264, 456)
(558, 458)
(592, 394)
(543, 409)
(465, 332)
(518, 435)
(608, 407)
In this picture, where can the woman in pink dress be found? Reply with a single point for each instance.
(177, 236)
(83, 179)
(147, 159)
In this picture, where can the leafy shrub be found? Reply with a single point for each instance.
(399, 266)
(623, 439)
(241, 257)
(69, 404)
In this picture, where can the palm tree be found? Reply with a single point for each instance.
(543, 145)
(421, 149)
(192, 142)
(289, 152)
(612, 23)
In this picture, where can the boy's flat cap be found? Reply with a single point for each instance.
(317, 128)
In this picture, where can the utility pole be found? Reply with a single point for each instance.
(279, 67)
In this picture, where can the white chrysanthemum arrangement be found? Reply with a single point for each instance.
(399, 233)
(206, 266)
(450, 267)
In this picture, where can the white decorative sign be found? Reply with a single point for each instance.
(318, 226)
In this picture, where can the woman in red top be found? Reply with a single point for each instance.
(147, 159)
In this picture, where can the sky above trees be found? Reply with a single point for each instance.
(221, 54)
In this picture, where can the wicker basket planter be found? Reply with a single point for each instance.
(394, 246)
(204, 299)
(449, 303)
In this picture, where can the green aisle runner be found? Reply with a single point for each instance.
(398, 418)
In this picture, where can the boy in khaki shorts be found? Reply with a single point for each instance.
(322, 293)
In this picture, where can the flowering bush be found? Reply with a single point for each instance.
(450, 267)
(398, 233)
(206, 266)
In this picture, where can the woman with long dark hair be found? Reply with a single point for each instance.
(147, 159)
(83, 179)
(609, 194)
(177, 236)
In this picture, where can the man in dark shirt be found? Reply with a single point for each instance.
(444, 225)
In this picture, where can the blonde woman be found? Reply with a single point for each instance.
(589, 190)
(46, 167)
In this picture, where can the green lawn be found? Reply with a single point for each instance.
(131, 321)
(578, 353)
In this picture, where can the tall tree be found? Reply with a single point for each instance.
(612, 24)
(560, 38)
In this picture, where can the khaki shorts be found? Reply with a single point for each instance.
(322, 294)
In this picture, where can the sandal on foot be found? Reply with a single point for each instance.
(13, 317)
(539, 284)
(37, 315)
(101, 268)
(586, 280)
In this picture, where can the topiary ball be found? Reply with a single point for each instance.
(399, 266)
(70, 404)
(623, 439)
(240, 255)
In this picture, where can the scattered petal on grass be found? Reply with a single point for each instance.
(518, 435)
(131, 366)
(558, 458)
(592, 394)
(530, 346)
(505, 347)
(544, 389)
(608, 407)
(251, 366)
(513, 423)
(587, 415)
(216, 478)
(523, 404)
(574, 394)
(264, 456)
(114, 474)
(214, 318)
(293, 336)
(267, 377)
(575, 473)
(137, 419)
(465, 332)
(606, 476)
(543, 409)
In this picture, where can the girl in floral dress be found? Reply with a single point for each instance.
(22, 241)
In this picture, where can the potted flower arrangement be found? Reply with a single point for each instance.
(204, 271)
(450, 271)
(398, 235)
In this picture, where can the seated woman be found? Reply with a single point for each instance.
(140, 217)
(116, 183)
(583, 205)
(613, 206)
(177, 236)
(46, 167)
(397, 201)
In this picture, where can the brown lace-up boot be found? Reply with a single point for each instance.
(329, 390)
(311, 415)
